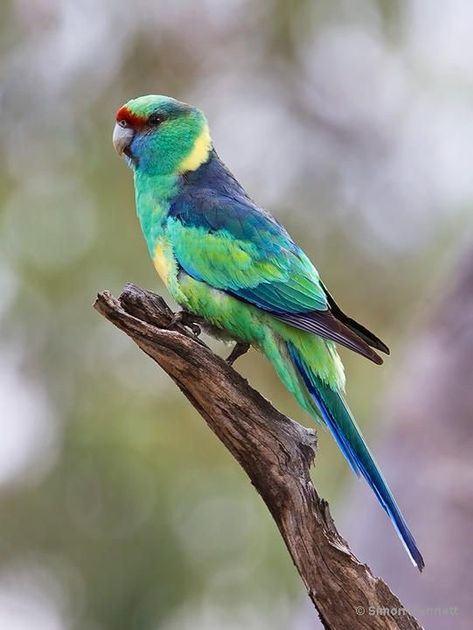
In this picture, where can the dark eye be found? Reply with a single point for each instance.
(155, 119)
(122, 123)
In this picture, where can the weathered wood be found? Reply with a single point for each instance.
(275, 452)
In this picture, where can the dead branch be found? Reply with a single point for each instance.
(275, 452)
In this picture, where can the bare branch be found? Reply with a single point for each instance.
(275, 452)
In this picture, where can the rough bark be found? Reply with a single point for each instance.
(276, 454)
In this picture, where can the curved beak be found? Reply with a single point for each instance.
(122, 137)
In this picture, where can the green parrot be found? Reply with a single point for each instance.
(229, 262)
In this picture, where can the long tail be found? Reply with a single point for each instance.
(344, 429)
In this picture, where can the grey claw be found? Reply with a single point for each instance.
(185, 319)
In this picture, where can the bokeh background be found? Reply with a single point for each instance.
(353, 122)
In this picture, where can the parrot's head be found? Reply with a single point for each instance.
(161, 136)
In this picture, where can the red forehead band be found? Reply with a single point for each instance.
(132, 119)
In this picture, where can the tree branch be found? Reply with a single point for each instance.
(275, 452)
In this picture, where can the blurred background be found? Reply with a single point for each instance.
(353, 122)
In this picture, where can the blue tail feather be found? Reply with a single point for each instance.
(346, 433)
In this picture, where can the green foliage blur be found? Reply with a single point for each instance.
(118, 508)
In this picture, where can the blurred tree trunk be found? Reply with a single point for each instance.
(426, 452)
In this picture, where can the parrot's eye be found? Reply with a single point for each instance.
(122, 123)
(155, 119)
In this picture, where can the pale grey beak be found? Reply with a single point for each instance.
(122, 137)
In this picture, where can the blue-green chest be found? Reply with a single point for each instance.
(154, 196)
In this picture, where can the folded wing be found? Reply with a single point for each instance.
(232, 245)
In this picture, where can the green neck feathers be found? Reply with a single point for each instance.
(153, 196)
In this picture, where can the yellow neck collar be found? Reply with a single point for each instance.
(199, 153)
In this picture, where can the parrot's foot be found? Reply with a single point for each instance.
(238, 350)
(186, 319)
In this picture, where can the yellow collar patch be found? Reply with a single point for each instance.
(199, 154)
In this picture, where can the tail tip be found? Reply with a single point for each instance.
(418, 561)
(414, 553)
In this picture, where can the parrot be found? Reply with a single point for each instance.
(229, 262)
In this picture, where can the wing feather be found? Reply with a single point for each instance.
(233, 245)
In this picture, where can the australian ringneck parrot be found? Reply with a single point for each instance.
(230, 262)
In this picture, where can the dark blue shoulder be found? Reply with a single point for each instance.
(210, 197)
(214, 175)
